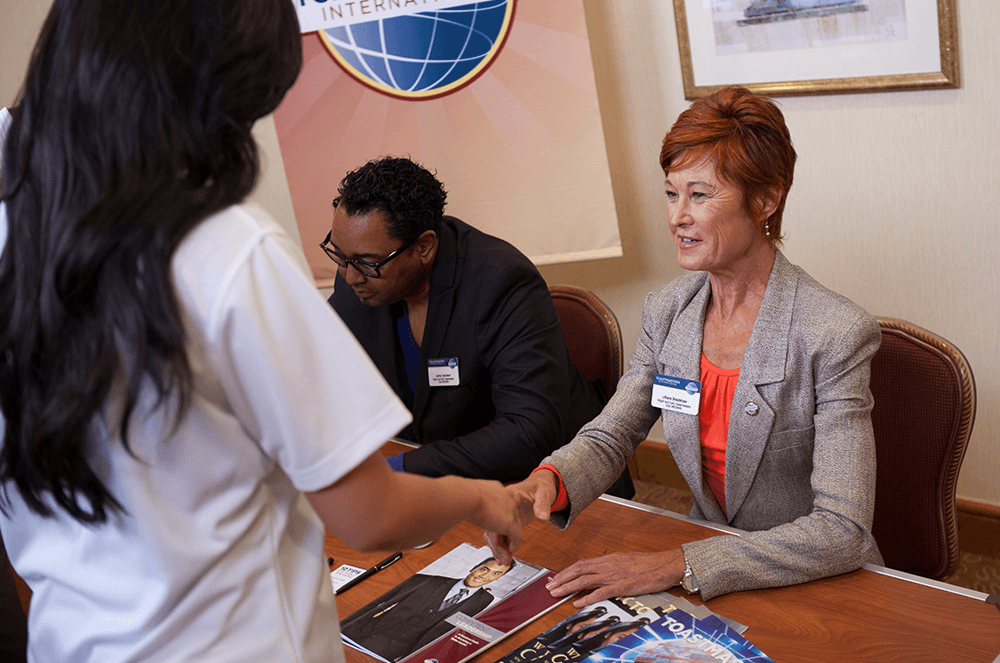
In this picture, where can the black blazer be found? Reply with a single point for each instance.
(406, 618)
(519, 398)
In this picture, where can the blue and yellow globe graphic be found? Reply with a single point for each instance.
(426, 54)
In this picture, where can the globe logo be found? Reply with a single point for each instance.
(421, 54)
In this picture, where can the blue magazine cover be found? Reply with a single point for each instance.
(594, 627)
(680, 637)
(591, 628)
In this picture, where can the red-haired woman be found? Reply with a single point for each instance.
(760, 375)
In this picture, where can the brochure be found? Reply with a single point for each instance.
(457, 606)
(343, 574)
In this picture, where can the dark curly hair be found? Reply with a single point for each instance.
(409, 195)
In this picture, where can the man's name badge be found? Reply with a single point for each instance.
(442, 372)
(676, 394)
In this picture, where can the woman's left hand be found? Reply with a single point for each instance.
(619, 574)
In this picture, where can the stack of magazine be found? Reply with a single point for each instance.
(464, 602)
(651, 628)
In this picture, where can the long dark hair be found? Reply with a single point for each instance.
(133, 126)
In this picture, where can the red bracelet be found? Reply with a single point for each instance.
(562, 498)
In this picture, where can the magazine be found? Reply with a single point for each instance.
(457, 606)
(702, 612)
(591, 628)
(680, 636)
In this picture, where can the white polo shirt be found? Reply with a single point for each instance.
(219, 556)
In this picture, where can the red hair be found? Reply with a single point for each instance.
(746, 137)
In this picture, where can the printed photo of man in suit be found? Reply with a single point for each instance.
(414, 613)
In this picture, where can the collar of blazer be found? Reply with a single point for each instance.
(440, 307)
(763, 363)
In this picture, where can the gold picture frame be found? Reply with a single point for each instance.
(904, 68)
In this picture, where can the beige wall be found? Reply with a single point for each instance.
(893, 205)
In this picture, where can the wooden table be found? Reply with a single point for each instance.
(873, 614)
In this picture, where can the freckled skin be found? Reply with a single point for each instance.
(708, 211)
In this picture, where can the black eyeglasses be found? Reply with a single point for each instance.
(372, 270)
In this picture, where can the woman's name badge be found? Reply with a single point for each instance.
(676, 394)
(442, 372)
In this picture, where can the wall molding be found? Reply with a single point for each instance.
(978, 527)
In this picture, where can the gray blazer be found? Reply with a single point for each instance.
(800, 467)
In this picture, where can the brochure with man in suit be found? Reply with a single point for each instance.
(447, 600)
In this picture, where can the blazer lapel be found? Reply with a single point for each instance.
(680, 357)
(751, 417)
(375, 329)
(439, 311)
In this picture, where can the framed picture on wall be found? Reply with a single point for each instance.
(800, 47)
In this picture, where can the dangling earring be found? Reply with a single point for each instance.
(767, 229)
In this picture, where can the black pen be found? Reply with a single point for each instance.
(388, 561)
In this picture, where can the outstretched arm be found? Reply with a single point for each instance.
(374, 508)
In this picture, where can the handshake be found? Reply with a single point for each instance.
(517, 505)
(616, 574)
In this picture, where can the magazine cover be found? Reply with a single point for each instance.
(680, 636)
(455, 607)
(595, 626)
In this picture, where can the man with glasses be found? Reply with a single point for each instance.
(460, 324)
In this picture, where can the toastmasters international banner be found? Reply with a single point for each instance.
(497, 97)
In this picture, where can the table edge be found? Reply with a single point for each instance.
(874, 568)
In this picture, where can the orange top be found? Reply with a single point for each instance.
(717, 389)
(562, 497)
